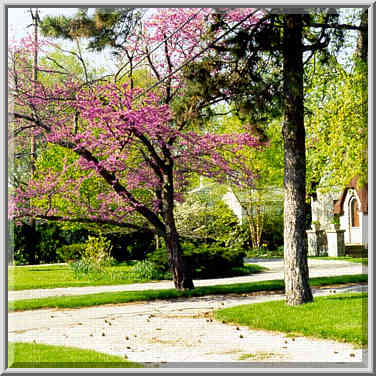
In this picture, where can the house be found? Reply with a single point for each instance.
(350, 205)
(268, 197)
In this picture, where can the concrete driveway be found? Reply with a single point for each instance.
(182, 332)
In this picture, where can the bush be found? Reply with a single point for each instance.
(83, 269)
(95, 257)
(204, 261)
(204, 217)
(272, 234)
(39, 244)
(72, 252)
(80, 269)
(148, 270)
(97, 252)
(265, 252)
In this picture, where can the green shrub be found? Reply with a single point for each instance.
(80, 269)
(204, 261)
(95, 256)
(265, 252)
(204, 217)
(148, 270)
(97, 252)
(19, 258)
(72, 252)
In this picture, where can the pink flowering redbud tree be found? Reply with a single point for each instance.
(123, 148)
(121, 156)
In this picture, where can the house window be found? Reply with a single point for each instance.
(354, 212)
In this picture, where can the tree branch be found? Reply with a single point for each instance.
(111, 179)
(88, 220)
(338, 26)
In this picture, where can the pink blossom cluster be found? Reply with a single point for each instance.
(130, 155)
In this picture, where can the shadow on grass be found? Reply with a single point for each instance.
(30, 268)
(363, 296)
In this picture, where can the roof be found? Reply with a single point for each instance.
(362, 194)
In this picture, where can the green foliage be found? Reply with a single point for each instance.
(34, 245)
(19, 258)
(264, 252)
(71, 252)
(273, 230)
(204, 217)
(204, 260)
(82, 269)
(336, 126)
(148, 270)
(95, 257)
(106, 27)
(98, 251)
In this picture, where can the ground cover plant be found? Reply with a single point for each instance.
(265, 253)
(33, 355)
(342, 317)
(146, 295)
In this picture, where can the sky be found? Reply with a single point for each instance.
(19, 20)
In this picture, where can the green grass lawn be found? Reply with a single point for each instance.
(146, 295)
(52, 276)
(341, 317)
(32, 355)
(360, 260)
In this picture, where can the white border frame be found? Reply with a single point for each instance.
(3, 207)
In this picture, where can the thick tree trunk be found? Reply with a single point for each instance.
(297, 286)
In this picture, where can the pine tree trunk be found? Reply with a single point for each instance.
(297, 286)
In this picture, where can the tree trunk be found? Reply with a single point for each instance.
(362, 42)
(180, 272)
(297, 286)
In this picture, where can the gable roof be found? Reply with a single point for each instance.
(362, 194)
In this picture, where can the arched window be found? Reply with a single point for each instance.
(354, 210)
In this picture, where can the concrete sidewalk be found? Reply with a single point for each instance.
(179, 330)
(317, 268)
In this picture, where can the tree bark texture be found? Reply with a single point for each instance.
(296, 274)
(180, 272)
(362, 42)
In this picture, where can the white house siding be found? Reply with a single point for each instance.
(230, 199)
